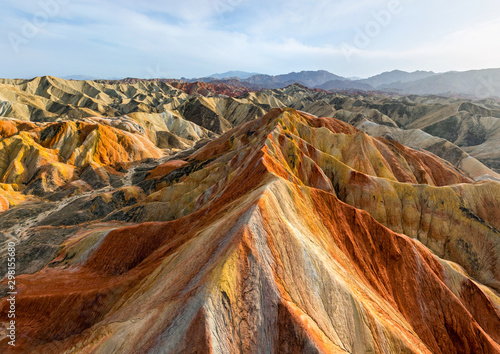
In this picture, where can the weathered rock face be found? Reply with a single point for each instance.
(289, 233)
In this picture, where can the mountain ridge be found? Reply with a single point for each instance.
(233, 74)
(475, 84)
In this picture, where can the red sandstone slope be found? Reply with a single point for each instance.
(263, 253)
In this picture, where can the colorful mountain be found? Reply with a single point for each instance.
(226, 225)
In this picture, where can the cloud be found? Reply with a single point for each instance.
(196, 37)
(472, 47)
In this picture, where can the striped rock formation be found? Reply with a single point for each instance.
(287, 234)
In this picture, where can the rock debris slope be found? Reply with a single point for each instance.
(288, 233)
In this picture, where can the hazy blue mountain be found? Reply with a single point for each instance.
(306, 78)
(396, 76)
(474, 83)
(78, 77)
(233, 74)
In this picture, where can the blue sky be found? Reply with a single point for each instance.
(193, 38)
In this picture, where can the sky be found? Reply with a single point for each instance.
(196, 38)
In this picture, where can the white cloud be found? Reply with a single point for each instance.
(196, 37)
(473, 47)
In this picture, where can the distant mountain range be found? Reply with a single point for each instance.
(233, 74)
(471, 84)
(310, 79)
(395, 76)
(78, 77)
(474, 83)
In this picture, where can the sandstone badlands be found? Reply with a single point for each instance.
(153, 220)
